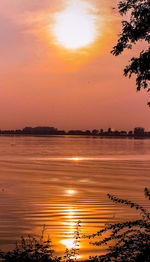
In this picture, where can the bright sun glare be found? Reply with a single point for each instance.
(71, 192)
(75, 27)
(69, 243)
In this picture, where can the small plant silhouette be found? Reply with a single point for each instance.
(72, 253)
(30, 249)
(131, 239)
(39, 249)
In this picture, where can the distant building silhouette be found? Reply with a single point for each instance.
(109, 130)
(101, 131)
(130, 133)
(138, 131)
(40, 130)
(76, 132)
(94, 132)
(87, 132)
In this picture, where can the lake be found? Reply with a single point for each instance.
(57, 181)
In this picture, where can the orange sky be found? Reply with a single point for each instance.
(44, 83)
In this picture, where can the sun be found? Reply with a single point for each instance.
(75, 27)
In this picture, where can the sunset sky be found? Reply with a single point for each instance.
(56, 68)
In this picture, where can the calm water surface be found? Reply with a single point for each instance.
(56, 181)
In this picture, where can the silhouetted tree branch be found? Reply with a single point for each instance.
(133, 30)
(130, 241)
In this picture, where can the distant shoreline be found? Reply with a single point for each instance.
(137, 133)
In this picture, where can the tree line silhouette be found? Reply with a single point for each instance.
(138, 132)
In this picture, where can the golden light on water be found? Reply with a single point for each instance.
(71, 192)
(70, 214)
(69, 243)
(76, 158)
(76, 26)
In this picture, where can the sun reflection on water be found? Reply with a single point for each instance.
(77, 158)
(69, 243)
(71, 192)
(71, 215)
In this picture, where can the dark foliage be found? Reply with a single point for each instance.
(30, 249)
(133, 30)
(130, 241)
(39, 249)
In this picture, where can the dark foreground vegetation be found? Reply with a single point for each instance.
(129, 241)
